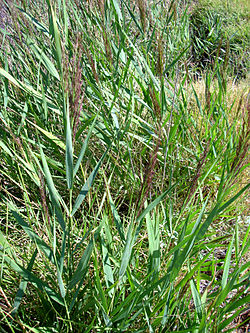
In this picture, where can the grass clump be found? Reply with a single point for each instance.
(120, 178)
(220, 33)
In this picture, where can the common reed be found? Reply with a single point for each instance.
(102, 136)
(142, 5)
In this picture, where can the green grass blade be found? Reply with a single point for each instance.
(27, 88)
(82, 266)
(227, 289)
(5, 247)
(53, 192)
(176, 60)
(153, 204)
(166, 308)
(197, 299)
(118, 10)
(69, 150)
(235, 197)
(60, 282)
(39, 25)
(226, 323)
(237, 304)
(218, 210)
(154, 242)
(84, 147)
(227, 264)
(133, 17)
(41, 245)
(30, 277)
(50, 136)
(86, 187)
(23, 285)
(127, 251)
(57, 39)
(98, 284)
(117, 218)
(107, 267)
(41, 56)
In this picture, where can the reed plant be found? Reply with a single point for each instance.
(120, 188)
(220, 33)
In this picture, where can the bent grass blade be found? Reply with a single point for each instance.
(86, 187)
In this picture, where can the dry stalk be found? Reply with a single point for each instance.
(199, 167)
(143, 13)
(152, 162)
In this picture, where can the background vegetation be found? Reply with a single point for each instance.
(220, 32)
(123, 145)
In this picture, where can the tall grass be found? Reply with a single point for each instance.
(120, 184)
(220, 33)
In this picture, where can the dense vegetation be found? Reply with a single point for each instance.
(123, 145)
